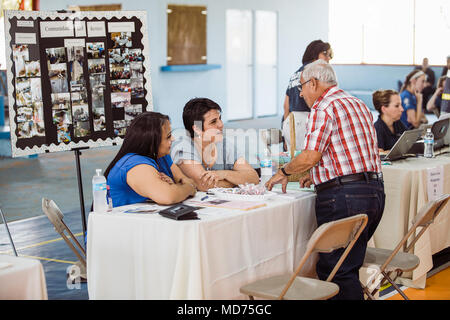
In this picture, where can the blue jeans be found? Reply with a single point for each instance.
(341, 202)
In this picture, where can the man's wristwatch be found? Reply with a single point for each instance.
(284, 172)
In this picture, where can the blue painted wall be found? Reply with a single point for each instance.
(171, 90)
(300, 22)
(362, 80)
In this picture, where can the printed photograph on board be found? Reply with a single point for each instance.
(119, 71)
(56, 55)
(81, 120)
(121, 39)
(63, 133)
(36, 90)
(23, 92)
(95, 50)
(62, 117)
(96, 66)
(99, 119)
(58, 77)
(75, 64)
(32, 69)
(30, 121)
(120, 99)
(118, 56)
(137, 88)
(120, 127)
(121, 85)
(136, 70)
(20, 56)
(60, 100)
(135, 55)
(132, 111)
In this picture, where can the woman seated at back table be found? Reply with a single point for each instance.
(389, 127)
(143, 168)
(412, 99)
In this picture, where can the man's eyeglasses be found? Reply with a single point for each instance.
(328, 54)
(300, 86)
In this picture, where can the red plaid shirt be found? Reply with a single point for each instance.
(341, 128)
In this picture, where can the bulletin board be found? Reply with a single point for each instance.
(75, 80)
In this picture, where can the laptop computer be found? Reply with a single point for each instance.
(446, 139)
(403, 145)
(439, 129)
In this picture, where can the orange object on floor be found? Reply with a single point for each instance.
(437, 288)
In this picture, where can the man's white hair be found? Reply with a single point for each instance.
(320, 70)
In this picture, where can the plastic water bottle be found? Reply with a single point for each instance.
(266, 168)
(428, 144)
(99, 192)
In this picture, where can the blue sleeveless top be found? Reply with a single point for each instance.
(121, 193)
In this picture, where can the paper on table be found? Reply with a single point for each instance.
(227, 204)
(139, 209)
(292, 194)
(4, 265)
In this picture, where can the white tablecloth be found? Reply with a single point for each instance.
(21, 279)
(406, 188)
(147, 256)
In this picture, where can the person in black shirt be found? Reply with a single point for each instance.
(314, 51)
(445, 69)
(388, 126)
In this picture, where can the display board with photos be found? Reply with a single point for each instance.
(75, 79)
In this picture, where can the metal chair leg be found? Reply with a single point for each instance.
(9, 234)
(395, 286)
(367, 292)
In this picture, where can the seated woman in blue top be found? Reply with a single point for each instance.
(411, 95)
(388, 126)
(143, 168)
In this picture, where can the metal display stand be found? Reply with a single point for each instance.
(77, 152)
(9, 234)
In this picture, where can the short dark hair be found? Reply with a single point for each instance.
(143, 137)
(313, 50)
(195, 109)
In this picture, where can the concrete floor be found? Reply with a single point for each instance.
(25, 181)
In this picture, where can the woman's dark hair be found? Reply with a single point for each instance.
(313, 50)
(441, 81)
(143, 137)
(382, 98)
(195, 109)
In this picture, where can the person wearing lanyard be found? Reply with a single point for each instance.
(341, 154)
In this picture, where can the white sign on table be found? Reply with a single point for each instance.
(435, 179)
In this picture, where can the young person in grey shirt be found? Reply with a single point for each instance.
(204, 155)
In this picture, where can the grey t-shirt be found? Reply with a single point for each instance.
(183, 149)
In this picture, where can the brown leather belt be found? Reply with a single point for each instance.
(349, 178)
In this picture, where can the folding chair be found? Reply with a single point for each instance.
(341, 233)
(56, 217)
(271, 137)
(394, 261)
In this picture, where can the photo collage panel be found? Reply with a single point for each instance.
(60, 94)
(29, 106)
(126, 79)
(94, 76)
(97, 78)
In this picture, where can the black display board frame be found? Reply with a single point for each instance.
(102, 61)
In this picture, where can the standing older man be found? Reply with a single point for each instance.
(341, 153)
